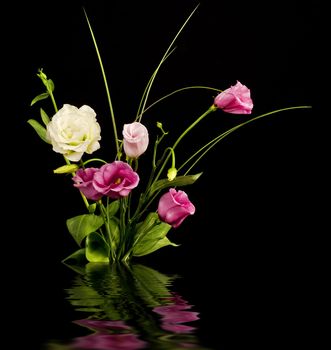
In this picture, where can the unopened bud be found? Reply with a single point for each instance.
(172, 173)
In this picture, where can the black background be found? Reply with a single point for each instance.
(253, 228)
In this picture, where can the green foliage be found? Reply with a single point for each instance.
(97, 249)
(40, 130)
(151, 236)
(44, 116)
(178, 181)
(82, 225)
(40, 97)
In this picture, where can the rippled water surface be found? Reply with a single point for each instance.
(234, 304)
(127, 307)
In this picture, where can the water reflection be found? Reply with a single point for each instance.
(129, 307)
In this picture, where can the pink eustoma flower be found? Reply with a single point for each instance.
(235, 100)
(83, 180)
(115, 179)
(174, 206)
(135, 139)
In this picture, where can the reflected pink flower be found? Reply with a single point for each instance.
(102, 341)
(167, 309)
(176, 316)
(235, 100)
(177, 328)
(83, 180)
(103, 325)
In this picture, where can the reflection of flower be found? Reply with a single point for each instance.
(121, 220)
(103, 325)
(130, 307)
(101, 341)
(174, 315)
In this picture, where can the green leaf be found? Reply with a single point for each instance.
(147, 247)
(40, 130)
(113, 224)
(151, 235)
(151, 284)
(143, 227)
(40, 97)
(82, 225)
(97, 249)
(178, 181)
(50, 85)
(112, 208)
(76, 261)
(44, 116)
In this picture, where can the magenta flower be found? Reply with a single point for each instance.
(83, 180)
(235, 100)
(102, 341)
(115, 179)
(135, 139)
(174, 207)
(177, 328)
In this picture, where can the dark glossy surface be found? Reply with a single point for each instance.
(249, 261)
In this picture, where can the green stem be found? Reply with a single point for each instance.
(111, 241)
(94, 160)
(179, 90)
(106, 86)
(207, 147)
(167, 53)
(209, 110)
(53, 100)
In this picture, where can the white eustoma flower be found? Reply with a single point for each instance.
(74, 131)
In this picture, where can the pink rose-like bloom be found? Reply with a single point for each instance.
(235, 100)
(115, 179)
(174, 207)
(83, 180)
(135, 139)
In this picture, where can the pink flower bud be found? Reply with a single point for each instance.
(235, 100)
(135, 139)
(174, 207)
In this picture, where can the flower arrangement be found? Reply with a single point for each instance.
(123, 220)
